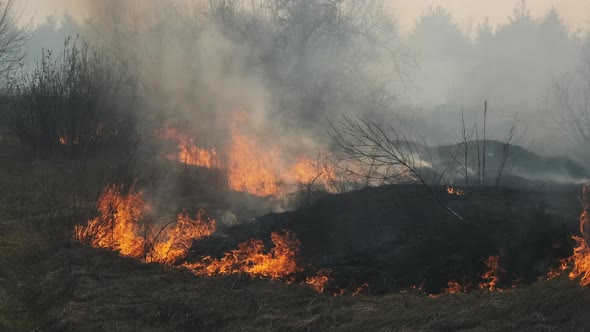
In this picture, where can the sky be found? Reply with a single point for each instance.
(467, 13)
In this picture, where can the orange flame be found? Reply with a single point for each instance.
(455, 191)
(118, 227)
(173, 243)
(251, 259)
(360, 289)
(319, 281)
(188, 152)
(453, 288)
(489, 277)
(581, 256)
(65, 140)
(252, 168)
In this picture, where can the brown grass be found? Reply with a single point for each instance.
(51, 284)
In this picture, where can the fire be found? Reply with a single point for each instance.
(453, 288)
(581, 257)
(188, 152)
(65, 140)
(490, 276)
(250, 258)
(360, 288)
(319, 281)
(118, 228)
(556, 272)
(455, 191)
(173, 243)
(252, 168)
(262, 170)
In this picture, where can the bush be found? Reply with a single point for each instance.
(81, 101)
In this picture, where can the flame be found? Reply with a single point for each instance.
(453, 288)
(360, 289)
(581, 257)
(455, 191)
(173, 243)
(489, 277)
(118, 228)
(65, 140)
(252, 168)
(251, 259)
(319, 281)
(557, 271)
(188, 152)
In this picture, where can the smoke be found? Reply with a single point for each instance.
(295, 66)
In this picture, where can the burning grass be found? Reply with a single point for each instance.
(49, 286)
(251, 166)
(119, 227)
(579, 263)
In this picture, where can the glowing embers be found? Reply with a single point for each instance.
(455, 191)
(119, 227)
(65, 140)
(187, 151)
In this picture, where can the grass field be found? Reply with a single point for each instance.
(50, 283)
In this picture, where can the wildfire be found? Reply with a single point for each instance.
(188, 152)
(581, 256)
(455, 191)
(173, 243)
(360, 288)
(118, 228)
(319, 281)
(453, 288)
(490, 276)
(250, 258)
(64, 140)
(252, 168)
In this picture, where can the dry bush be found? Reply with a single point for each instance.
(77, 103)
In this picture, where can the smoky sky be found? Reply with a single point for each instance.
(452, 55)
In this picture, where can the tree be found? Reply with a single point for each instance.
(392, 155)
(12, 39)
(570, 100)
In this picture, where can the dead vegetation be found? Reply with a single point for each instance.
(48, 284)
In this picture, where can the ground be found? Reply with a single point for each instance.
(50, 283)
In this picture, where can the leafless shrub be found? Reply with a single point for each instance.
(13, 36)
(392, 156)
(79, 102)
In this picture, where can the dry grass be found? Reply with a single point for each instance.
(49, 284)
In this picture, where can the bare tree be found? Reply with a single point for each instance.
(393, 156)
(571, 102)
(514, 137)
(13, 36)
